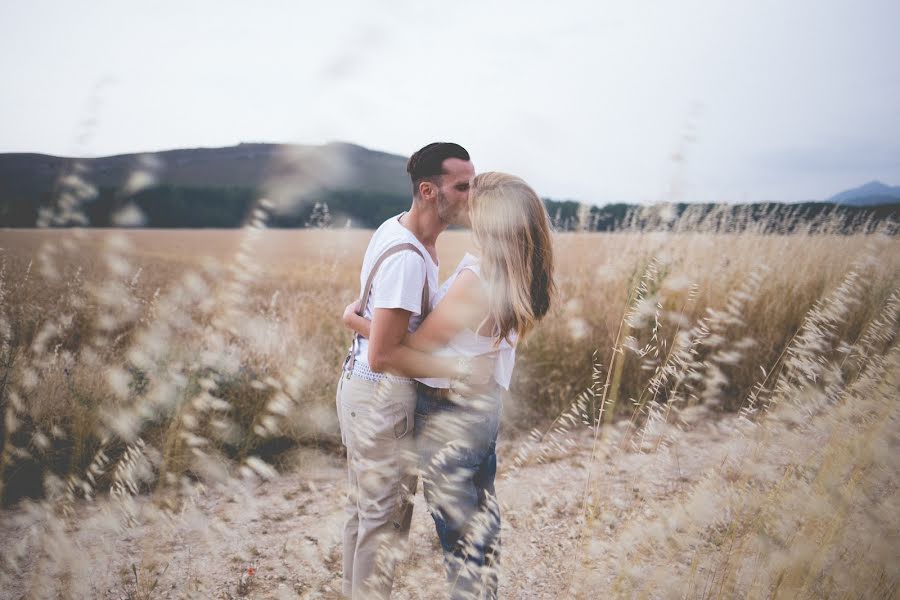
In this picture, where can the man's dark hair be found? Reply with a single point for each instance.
(427, 162)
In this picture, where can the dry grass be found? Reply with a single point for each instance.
(162, 366)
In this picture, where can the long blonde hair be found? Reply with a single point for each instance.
(512, 229)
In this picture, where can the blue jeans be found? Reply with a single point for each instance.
(456, 438)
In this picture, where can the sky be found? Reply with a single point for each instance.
(598, 101)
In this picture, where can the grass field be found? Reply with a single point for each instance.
(144, 366)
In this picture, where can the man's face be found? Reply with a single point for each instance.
(453, 193)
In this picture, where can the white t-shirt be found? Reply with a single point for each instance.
(469, 343)
(400, 277)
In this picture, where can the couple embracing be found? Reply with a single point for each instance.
(420, 392)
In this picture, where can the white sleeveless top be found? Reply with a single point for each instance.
(469, 343)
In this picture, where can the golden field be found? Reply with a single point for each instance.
(143, 368)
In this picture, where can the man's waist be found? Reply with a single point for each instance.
(362, 370)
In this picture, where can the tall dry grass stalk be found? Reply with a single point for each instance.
(803, 504)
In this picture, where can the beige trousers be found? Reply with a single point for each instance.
(376, 422)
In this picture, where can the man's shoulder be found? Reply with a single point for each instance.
(391, 229)
(391, 233)
(410, 258)
(409, 254)
(403, 267)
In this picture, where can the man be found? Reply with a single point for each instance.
(376, 398)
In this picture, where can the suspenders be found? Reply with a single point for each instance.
(350, 361)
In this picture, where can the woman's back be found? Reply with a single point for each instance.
(469, 343)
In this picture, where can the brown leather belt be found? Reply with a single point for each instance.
(440, 393)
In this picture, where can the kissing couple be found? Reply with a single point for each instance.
(421, 389)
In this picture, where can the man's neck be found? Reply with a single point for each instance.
(424, 224)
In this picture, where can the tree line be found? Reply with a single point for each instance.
(176, 206)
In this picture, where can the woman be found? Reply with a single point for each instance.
(483, 309)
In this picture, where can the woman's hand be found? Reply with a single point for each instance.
(350, 311)
(477, 370)
(353, 321)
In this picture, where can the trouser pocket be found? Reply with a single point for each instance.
(387, 422)
(403, 421)
(374, 413)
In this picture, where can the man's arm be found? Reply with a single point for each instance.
(386, 333)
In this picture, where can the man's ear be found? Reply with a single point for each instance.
(427, 190)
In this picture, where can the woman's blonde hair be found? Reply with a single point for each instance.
(512, 229)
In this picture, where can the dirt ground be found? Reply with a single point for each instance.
(288, 528)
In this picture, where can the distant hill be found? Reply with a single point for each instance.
(870, 194)
(335, 165)
(292, 177)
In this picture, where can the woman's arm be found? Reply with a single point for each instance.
(464, 306)
(351, 319)
(388, 355)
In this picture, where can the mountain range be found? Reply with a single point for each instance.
(869, 194)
